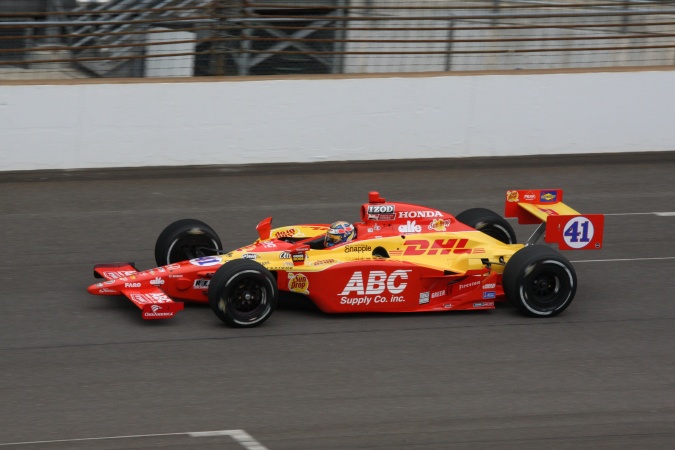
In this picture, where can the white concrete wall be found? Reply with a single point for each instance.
(235, 122)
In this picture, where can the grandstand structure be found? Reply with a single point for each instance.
(52, 39)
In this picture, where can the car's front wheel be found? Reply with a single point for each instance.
(243, 293)
(539, 281)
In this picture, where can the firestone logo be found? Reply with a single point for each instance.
(468, 285)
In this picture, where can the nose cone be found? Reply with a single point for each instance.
(103, 289)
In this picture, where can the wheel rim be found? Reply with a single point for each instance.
(190, 247)
(546, 289)
(246, 299)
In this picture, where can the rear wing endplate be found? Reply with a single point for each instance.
(559, 223)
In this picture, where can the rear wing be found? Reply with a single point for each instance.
(559, 223)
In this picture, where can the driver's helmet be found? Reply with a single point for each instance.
(339, 233)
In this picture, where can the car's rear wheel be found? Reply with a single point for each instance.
(243, 293)
(490, 223)
(539, 281)
(186, 239)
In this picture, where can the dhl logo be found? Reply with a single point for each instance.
(437, 247)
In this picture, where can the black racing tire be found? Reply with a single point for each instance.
(186, 239)
(489, 222)
(243, 293)
(539, 281)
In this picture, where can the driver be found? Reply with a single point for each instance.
(339, 233)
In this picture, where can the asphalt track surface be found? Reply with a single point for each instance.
(82, 372)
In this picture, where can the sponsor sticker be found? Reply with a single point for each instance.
(378, 281)
(157, 281)
(206, 261)
(381, 209)
(376, 286)
(439, 225)
(484, 305)
(489, 285)
(298, 283)
(578, 232)
(382, 217)
(424, 298)
(132, 285)
(410, 227)
(418, 214)
(438, 294)
(468, 285)
(416, 247)
(489, 294)
(512, 196)
(530, 197)
(150, 298)
(358, 248)
(547, 196)
(291, 232)
(298, 257)
(201, 283)
(249, 256)
(157, 311)
(120, 274)
(322, 262)
(105, 290)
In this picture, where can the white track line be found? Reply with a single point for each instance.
(661, 214)
(624, 259)
(240, 436)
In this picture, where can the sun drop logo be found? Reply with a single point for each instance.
(298, 283)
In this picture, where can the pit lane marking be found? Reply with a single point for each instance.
(240, 436)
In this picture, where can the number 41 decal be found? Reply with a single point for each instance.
(578, 232)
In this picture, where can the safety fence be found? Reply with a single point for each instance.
(183, 38)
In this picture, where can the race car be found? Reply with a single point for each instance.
(399, 258)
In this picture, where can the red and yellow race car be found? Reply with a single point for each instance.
(399, 258)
